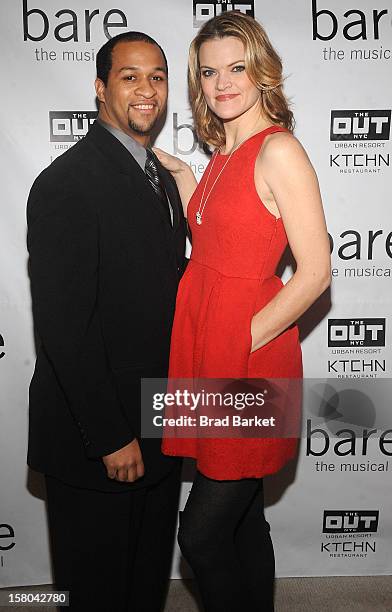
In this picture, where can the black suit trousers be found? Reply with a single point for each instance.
(113, 551)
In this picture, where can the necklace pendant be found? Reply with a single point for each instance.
(198, 218)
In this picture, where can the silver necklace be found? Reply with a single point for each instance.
(202, 205)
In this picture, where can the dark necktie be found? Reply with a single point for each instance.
(151, 171)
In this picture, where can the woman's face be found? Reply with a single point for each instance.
(227, 89)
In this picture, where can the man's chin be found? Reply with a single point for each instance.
(143, 130)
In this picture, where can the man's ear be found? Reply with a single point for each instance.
(100, 89)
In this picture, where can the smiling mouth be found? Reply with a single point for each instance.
(144, 107)
(226, 97)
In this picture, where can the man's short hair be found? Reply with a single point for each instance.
(104, 55)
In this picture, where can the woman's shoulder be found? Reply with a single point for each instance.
(281, 147)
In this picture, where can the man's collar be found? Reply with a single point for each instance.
(137, 150)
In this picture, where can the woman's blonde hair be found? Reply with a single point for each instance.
(263, 67)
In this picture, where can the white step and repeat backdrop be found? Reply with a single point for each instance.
(331, 512)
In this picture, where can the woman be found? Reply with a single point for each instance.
(234, 318)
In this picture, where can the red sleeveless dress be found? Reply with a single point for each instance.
(230, 276)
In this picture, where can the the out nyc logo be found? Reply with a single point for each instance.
(70, 126)
(203, 11)
(360, 124)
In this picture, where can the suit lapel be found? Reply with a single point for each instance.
(172, 194)
(125, 163)
(112, 149)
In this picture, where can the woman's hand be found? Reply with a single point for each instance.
(252, 334)
(170, 162)
(182, 174)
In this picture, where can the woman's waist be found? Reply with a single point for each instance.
(229, 272)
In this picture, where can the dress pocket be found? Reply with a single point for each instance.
(226, 338)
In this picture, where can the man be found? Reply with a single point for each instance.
(106, 237)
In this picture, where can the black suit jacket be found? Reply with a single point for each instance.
(104, 268)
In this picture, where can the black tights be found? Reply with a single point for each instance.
(225, 538)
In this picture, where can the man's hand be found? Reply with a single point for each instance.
(125, 464)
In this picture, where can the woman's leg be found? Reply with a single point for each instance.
(256, 554)
(222, 524)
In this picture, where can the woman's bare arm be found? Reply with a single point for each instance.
(285, 170)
